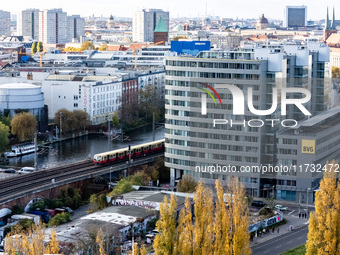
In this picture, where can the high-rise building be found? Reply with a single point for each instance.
(194, 144)
(53, 26)
(144, 24)
(5, 21)
(295, 16)
(75, 27)
(28, 23)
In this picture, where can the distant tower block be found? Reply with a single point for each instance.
(186, 27)
(160, 34)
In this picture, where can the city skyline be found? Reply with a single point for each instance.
(189, 8)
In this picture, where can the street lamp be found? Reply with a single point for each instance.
(308, 189)
(61, 130)
(110, 177)
(273, 191)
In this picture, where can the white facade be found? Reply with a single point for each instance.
(21, 96)
(75, 27)
(53, 26)
(5, 23)
(28, 23)
(144, 23)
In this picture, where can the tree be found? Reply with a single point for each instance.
(82, 119)
(238, 209)
(115, 120)
(324, 223)
(203, 230)
(187, 184)
(67, 120)
(24, 125)
(184, 242)
(102, 47)
(335, 72)
(54, 243)
(40, 47)
(4, 133)
(166, 225)
(222, 240)
(87, 45)
(34, 47)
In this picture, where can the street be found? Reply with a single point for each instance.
(282, 243)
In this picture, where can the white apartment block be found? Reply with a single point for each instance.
(75, 27)
(53, 26)
(144, 23)
(5, 21)
(28, 23)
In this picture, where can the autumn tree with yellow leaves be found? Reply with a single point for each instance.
(24, 125)
(31, 242)
(324, 223)
(166, 225)
(219, 226)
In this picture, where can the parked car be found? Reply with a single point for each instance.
(280, 208)
(69, 210)
(10, 171)
(258, 204)
(26, 170)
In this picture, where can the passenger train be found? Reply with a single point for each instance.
(136, 151)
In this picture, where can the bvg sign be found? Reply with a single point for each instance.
(308, 147)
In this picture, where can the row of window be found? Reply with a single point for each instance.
(213, 65)
(213, 75)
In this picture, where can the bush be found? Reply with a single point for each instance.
(123, 186)
(59, 219)
(17, 210)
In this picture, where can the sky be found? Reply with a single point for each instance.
(272, 9)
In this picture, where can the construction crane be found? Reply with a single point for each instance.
(147, 46)
(31, 54)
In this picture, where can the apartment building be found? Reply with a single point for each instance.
(75, 28)
(144, 24)
(53, 26)
(5, 21)
(28, 23)
(195, 145)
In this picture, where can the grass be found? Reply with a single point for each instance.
(300, 250)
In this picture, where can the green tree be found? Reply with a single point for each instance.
(87, 45)
(34, 47)
(187, 184)
(40, 47)
(115, 120)
(5, 119)
(4, 133)
(103, 47)
(68, 121)
(324, 223)
(82, 119)
(166, 225)
(24, 125)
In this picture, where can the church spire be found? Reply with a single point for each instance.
(333, 20)
(327, 21)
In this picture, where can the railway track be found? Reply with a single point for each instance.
(19, 186)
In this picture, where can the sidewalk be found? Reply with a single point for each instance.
(291, 220)
(286, 203)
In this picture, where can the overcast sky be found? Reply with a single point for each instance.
(316, 9)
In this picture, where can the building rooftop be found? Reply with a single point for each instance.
(17, 86)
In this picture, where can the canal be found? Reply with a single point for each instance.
(81, 148)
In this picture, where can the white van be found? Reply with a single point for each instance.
(26, 170)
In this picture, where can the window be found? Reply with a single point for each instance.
(75, 105)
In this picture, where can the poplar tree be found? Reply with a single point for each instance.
(238, 213)
(203, 227)
(324, 223)
(166, 225)
(221, 224)
(184, 242)
(54, 243)
(100, 241)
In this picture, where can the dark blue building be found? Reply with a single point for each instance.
(189, 47)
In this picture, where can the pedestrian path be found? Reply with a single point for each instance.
(293, 223)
